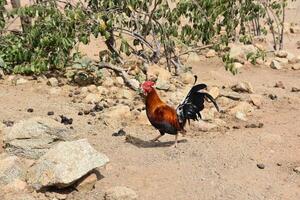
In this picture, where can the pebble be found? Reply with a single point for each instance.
(121, 132)
(259, 125)
(30, 110)
(294, 89)
(273, 96)
(77, 92)
(93, 114)
(50, 113)
(80, 113)
(86, 112)
(260, 166)
(97, 108)
(297, 170)
(279, 84)
(65, 120)
(8, 123)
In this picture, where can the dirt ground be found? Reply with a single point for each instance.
(206, 165)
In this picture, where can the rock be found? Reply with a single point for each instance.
(259, 125)
(242, 107)
(21, 81)
(52, 82)
(241, 116)
(11, 169)
(239, 51)
(92, 88)
(65, 120)
(256, 99)
(135, 83)
(296, 67)
(291, 58)
(118, 112)
(120, 132)
(193, 58)
(260, 166)
(203, 126)
(92, 98)
(64, 164)
(124, 94)
(83, 78)
(297, 170)
(243, 87)
(119, 81)
(211, 53)
(294, 89)
(235, 96)
(50, 113)
(279, 84)
(108, 82)
(281, 54)
(33, 137)
(214, 92)
(237, 65)
(187, 78)
(120, 193)
(282, 60)
(30, 110)
(87, 183)
(160, 75)
(102, 90)
(275, 65)
(295, 29)
(273, 96)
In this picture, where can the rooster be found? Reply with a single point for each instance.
(168, 120)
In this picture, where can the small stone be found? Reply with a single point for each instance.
(134, 83)
(50, 113)
(273, 96)
(295, 29)
(92, 98)
(243, 107)
(279, 84)
(52, 82)
(275, 65)
(260, 166)
(256, 99)
(77, 92)
(292, 58)
(21, 81)
(93, 114)
(70, 95)
(237, 65)
(92, 88)
(281, 54)
(241, 116)
(296, 67)
(294, 89)
(120, 112)
(65, 120)
(120, 193)
(87, 183)
(80, 113)
(119, 81)
(211, 53)
(297, 170)
(120, 132)
(102, 90)
(86, 112)
(279, 164)
(108, 82)
(30, 110)
(8, 123)
(259, 125)
(243, 87)
(282, 60)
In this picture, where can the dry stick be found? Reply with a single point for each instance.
(282, 26)
(119, 71)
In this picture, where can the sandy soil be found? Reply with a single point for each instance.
(206, 165)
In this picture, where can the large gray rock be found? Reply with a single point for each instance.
(31, 138)
(65, 163)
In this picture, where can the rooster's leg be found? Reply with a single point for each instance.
(175, 143)
(156, 138)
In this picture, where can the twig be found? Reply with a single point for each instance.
(194, 50)
(119, 71)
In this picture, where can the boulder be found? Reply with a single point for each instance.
(64, 164)
(120, 193)
(93, 98)
(118, 112)
(33, 137)
(275, 64)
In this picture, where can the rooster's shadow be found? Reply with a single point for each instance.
(149, 144)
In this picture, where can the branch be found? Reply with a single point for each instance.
(119, 71)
